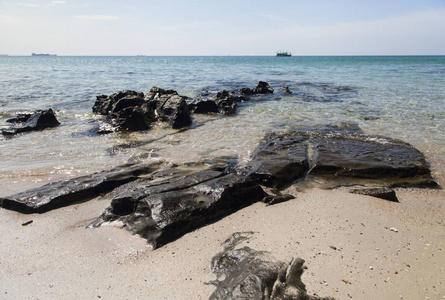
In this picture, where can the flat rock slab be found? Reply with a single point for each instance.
(252, 274)
(62, 193)
(174, 202)
(384, 193)
(342, 153)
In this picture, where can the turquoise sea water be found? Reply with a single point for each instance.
(396, 96)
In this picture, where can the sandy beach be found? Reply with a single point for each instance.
(355, 247)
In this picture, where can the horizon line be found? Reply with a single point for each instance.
(214, 55)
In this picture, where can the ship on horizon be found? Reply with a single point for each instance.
(42, 54)
(283, 54)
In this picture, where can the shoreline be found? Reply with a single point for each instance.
(119, 265)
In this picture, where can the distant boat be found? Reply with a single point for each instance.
(284, 54)
(42, 54)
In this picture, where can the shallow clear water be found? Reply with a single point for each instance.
(399, 97)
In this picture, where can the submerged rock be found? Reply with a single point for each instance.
(286, 90)
(252, 274)
(39, 120)
(261, 88)
(223, 103)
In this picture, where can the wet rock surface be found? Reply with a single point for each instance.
(169, 203)
(261, 88)
(382, 193)
(39, 120)
(252, 274)
(340, 154)
(279, 160)
(62, 193)
(224, 103)
(132, 111)
(169, 107)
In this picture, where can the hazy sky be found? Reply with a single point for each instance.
(223, 27)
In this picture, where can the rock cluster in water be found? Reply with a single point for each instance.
(134, 111)
(38, 120)
(130, 110)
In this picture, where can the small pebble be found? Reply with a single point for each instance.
(27, 223)
(394, 229)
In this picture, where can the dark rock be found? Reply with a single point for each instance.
(223, 103)
(252, 274)
(246, 91)
(227, 106)
(62, 193)
(286, 90)
(123, 110)
(129, 101)
(104, 104)
(277, 198)
(169, 107)
(366, 156)
(342, 154)
(223, 95)
(279, 160)
(173, 202)
(261, 88)
(203, 106)
(132, 118)
(20, 118)
(129, 110)
(157, 93)
(39, 120)
(381, 192)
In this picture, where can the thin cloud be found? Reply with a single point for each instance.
(211, 25)
(276, 18)
(58, 2)
(97, 18)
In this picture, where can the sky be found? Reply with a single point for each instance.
(222, 27)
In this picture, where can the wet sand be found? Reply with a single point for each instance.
(56, 257)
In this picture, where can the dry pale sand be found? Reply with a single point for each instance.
(56, 257)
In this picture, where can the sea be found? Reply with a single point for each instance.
(401, 97)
